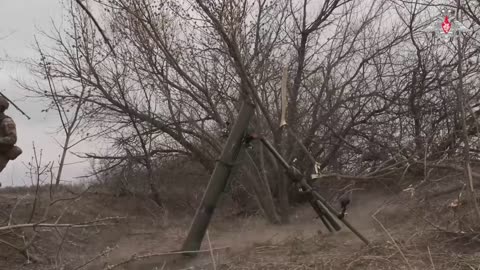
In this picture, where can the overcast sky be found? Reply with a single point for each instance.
(19, 22)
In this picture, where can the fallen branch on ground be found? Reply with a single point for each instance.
(391, 238)
(105, 252)
(449, 190)
(377, 174)
(97, 222)
(455, 188)
(136, 257)
(22, 251)
(384, 172)
(446, 166)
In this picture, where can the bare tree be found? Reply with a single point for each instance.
(360, 92)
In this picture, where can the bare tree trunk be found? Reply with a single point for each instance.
(461, 100)
(62, 161)
(264, 180)
(283, 181)
(146, 157)
(262, 193)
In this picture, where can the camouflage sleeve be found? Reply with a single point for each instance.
(10, 130)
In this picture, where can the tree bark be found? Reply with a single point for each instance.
(461, 101)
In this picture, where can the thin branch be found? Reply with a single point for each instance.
(136, 257)
(92, 223)
(96, 24)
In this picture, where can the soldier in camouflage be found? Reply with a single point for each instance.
(8, 137)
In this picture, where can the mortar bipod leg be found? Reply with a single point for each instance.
(325, 222)
(297, 177)
(326, 214)
(317, 209)
(322, 211)
(321, 215)
(334, 212)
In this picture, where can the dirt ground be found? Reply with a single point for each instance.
(401, 234)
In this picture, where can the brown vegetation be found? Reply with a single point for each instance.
(417, 228)
(376, 107)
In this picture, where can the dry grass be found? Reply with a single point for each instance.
(411, 233)
(320, 253)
